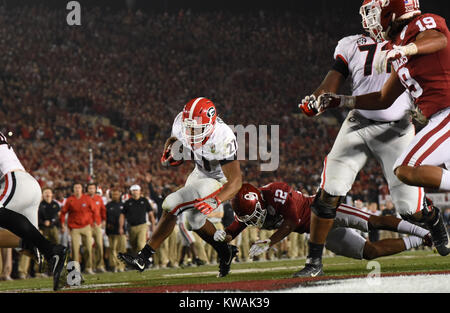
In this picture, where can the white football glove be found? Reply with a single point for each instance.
(387, 56)
(259, 247)
(220, 235)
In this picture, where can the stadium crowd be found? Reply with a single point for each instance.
(115, 84)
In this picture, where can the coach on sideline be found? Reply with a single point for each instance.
(135, 210)
(81, 215)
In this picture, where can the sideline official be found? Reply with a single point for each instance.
(135, 211)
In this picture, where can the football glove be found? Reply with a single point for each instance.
(168, 160)
(309, 106)
(330, 100)
(220, 235)
(259, 247)
(207, 205)
(396, 53)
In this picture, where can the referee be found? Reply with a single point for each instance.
(135, 210)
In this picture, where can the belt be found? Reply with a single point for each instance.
(358, 117)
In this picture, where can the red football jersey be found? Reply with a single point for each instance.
(282, 203)
(427, 77)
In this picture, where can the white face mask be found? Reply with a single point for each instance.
(195, 133)
(256, 219)
(371, 20)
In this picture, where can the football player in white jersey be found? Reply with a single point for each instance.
(216, 178)
(383, 134)
(20, 196)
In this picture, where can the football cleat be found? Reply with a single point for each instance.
(134, 262)
(56, 264)
(313, 268)
(438, 232)
(225, 261)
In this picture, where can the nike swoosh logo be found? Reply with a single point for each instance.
(56, 257)
(315, 274)
(139, 265)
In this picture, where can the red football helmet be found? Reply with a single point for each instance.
(377, 15)
(248, 204)
(199, 119)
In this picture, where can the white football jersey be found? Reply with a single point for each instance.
(8, 158)
(221, 146)
(359, 52)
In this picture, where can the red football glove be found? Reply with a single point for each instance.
(168, 160)
(309, 106)
(208, 205)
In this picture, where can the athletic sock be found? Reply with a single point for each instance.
(412, 242)
(445, 180)
(22, 227)
(146, 253)
(315, 250)
(405, 227)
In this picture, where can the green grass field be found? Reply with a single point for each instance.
(412, 261)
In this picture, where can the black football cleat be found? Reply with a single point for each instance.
(134, 262)
(56, 264)
(313, 268)
(438, 232)
(225, 260)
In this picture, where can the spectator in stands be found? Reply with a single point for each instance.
(135, 211)
(98, 227)
(80, 210)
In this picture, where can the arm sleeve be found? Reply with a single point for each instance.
(341, 67)
(235, 228)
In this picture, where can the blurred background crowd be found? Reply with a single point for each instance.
(115, 84)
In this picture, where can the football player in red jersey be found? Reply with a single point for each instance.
(216, 178)
(278, 206)
(420, 58)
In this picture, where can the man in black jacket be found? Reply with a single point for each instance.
(116, 233)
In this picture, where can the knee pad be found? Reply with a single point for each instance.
(325, 205)
(195, 219)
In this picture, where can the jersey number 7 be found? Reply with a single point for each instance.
(371, 50)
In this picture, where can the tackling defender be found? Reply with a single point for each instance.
(20, 196)
(278, 206)
(383, 133)
(215, 179)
